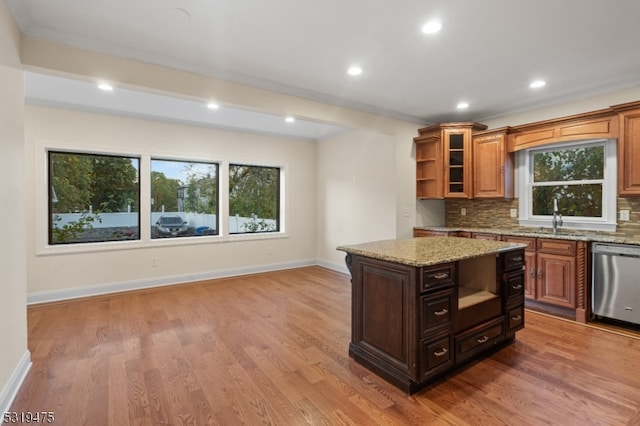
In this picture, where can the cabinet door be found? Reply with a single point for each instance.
(457, 162)
(530, 274)
(629, 153)
(556, 279)
(492, 166)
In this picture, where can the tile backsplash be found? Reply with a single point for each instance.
(497, 214)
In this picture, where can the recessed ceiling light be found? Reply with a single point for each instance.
(213, 105)
(462, 105)
(106, 87)
(290, 119)
(431, 27)
(354, 70)
(537, 84)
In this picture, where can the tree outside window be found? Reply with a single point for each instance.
(93, 198)
(573, 176)
(254, 199)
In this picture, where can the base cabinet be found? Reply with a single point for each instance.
(556, 275)
(410, 325)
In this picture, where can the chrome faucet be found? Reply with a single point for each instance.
(557, 217)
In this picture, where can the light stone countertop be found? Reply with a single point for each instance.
(573, 235)
(428, 251)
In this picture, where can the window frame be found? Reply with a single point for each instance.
(50, 192)
(43, 248)
(525, 186)
(218, 167)
(279, 219)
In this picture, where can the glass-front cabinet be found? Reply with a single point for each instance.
(457, 160)
(444, 160)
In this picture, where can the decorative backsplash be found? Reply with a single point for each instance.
(496, 214)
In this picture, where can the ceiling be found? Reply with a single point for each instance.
(486, 54)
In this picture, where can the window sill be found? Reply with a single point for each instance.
(52, 250)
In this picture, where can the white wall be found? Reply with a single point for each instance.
(14, 356)
(387, 143)
(61, 268)
(355, 192)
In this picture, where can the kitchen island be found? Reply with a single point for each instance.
(422, 307)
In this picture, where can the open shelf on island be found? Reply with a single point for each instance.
(478, 291)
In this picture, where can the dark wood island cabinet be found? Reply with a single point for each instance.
(424, 306)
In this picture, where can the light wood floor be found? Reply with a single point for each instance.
(272, 349)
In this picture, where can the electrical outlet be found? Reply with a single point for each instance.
(624, 214)
(514, 213)
(463, 211)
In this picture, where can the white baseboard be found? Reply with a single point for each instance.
(10, 390)
(95, 290)
(338, 267)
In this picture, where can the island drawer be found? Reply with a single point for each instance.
(436, 356)
(515, 284)
(435, 311)
(514, 260)
(515, 318)
(438, 276)
(479, 338)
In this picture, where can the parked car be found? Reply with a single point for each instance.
(171, 226)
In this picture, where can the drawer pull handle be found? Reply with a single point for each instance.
(482, 339)
(441, 313)
(441, 275)
(516, 317)
(516, 287)
(441, 352)
(517, 259)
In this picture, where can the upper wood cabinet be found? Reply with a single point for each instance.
(629, 152)
(594, 125)
(463, 160)
(492, 165)
(444, 160)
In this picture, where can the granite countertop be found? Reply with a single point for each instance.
(545, 233)
(428, 251)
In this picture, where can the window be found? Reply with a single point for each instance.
(254, 199)
(184, 198)
(581, 177)
(93, 198)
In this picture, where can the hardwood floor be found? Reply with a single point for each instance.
(273, 349)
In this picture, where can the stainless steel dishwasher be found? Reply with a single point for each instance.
(616, 281)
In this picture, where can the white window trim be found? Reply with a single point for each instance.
(609, 206)
(43, 248)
